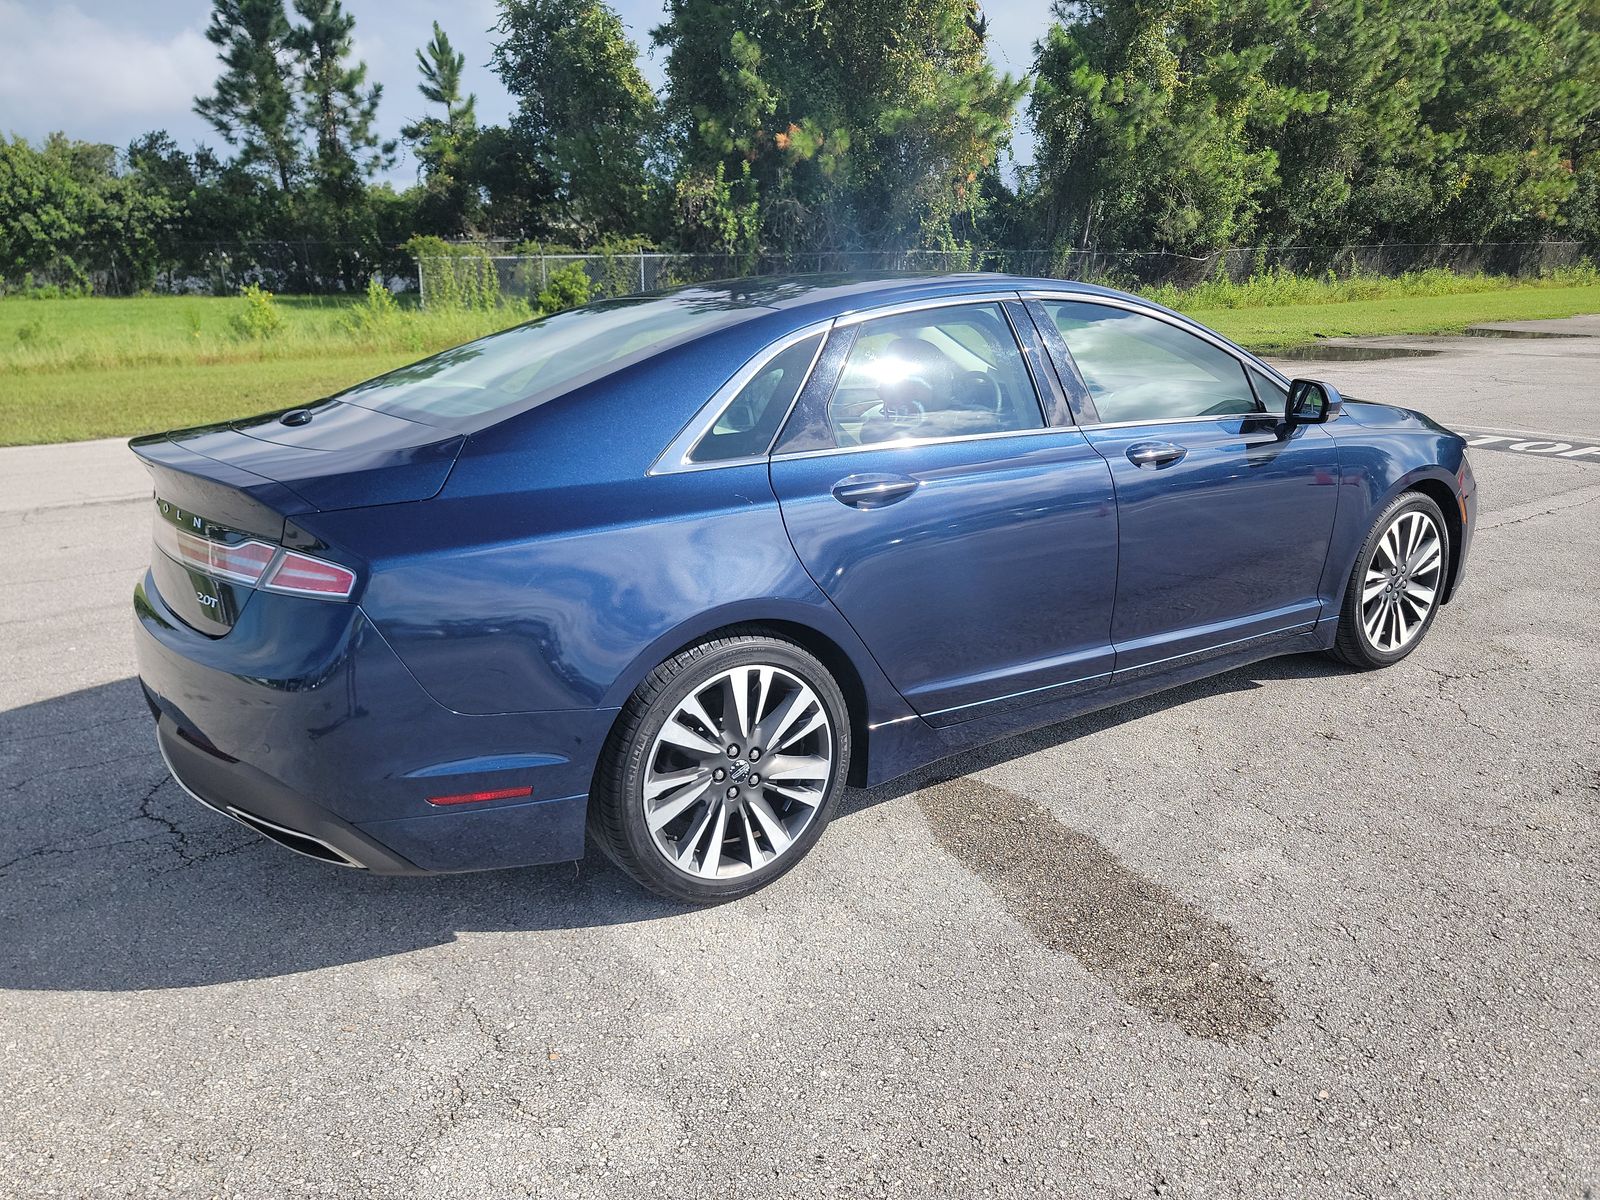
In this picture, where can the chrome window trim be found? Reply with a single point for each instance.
(1264, 416)
(1238, 353)
(675, 458)
(907, 306)
(913, 443)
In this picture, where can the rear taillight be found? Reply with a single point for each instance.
(241, 562)
(257, 564)
(302, 575)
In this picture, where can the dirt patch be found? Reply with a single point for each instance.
(1157, 951)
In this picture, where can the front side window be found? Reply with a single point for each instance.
(1140, 369)
(939, 372)
(747, 426)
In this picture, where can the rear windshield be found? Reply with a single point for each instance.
(532, 363)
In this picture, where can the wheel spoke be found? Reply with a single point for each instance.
(794, 766)
(664, 815)
(1419, 608)
(817, 720)
(680, 735)
(658, 784)
(711, 860)
(1427, 559)
(798, 795)
(776, 833)
(758, 856)
(691, 842)
(771, 730)
(1401, 625)
(738, 688)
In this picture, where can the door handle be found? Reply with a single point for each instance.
(1155, 454)
(873, 491)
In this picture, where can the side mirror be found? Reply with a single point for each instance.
(1312, 402)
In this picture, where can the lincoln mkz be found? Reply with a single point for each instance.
(672, 570)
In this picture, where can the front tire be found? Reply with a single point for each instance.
(724, 768)
(1396, 585)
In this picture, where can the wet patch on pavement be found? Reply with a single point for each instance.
(1339, 352)
(1490, 331)
(1157, 951)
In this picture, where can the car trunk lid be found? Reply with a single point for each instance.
(224, 491)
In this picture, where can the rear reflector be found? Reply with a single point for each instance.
(302, 575)
(479, 797)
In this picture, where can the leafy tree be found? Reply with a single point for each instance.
(1154, 119)
(585, 114)
(70, 212)
(339, 106)
(443, 144)
(861, 124)
(253, 106)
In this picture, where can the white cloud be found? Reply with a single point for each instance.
(61, 68)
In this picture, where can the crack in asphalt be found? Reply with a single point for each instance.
(170, 834)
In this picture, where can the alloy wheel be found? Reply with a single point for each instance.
(738, 771)
(1402, 580)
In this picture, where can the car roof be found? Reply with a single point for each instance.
(838, 294)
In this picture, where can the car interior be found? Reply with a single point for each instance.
(941, 373)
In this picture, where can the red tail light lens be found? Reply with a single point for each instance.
(302, 575)
(242, 562)
(480, 797)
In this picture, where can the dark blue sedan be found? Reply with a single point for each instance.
(673, 569)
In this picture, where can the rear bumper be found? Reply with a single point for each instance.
(334, 750)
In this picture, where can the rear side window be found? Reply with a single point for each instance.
(532, 363)
(1140, 369)
(940, 372)
(750, 422)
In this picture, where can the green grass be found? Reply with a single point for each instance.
(1281, 328)
(86, 368)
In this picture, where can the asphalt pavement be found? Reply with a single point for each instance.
(1294, 930)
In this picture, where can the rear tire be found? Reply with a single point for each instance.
(724, 768)
(1396, 584)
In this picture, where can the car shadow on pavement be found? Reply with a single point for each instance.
(112, 879)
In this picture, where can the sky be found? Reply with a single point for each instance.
(109, 70)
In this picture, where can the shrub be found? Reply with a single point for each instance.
(567, 287)
(454, 275)
(258, 317)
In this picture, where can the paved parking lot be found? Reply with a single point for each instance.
(1293, 930)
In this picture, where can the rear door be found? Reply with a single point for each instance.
(971, 543)
(1224, 513)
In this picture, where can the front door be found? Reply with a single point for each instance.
(970, 545)
(1224, 512)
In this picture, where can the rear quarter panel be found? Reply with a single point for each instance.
(554, 571)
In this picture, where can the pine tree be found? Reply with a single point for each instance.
(253, 106)
(586, 117)
(441, 67)
(339, 106)
(449, 203)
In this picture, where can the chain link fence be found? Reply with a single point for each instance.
(478, 272)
